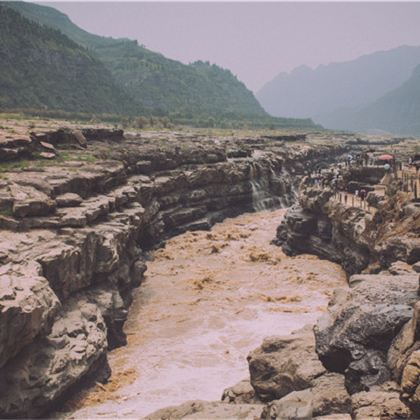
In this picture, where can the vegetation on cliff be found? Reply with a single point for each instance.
(200, 93)
(41, 68)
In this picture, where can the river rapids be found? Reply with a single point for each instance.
(209, 297)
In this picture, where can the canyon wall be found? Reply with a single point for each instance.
(369, 334)
(75, 228)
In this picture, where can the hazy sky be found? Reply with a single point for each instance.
(255, 41)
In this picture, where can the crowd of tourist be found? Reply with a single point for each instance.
(335, 177)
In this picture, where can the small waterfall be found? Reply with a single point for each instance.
(261, 197)
(269, 190)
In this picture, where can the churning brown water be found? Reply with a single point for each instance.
(208, 299)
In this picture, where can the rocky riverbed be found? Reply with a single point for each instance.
(208, 299)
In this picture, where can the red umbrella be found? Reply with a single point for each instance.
(385, 157)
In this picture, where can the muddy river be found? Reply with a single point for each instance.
(208, 299)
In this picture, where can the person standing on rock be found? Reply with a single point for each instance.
(362, 195)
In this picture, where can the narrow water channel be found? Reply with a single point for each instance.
(208, 299)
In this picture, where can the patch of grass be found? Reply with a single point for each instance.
(6, 212)
(11, 116)
(67, 156)
(39, 163)
(11, 166)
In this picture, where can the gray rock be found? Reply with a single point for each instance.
(355, 335)
(416, 267)
(50, 366)
(28, 201)
(241, 393)
(400, 268)
(69, 200)
(28, 307)
(294, 406)
(328, 395)
(208, 410)
(284, 364)
(379, 404)
(113, 311)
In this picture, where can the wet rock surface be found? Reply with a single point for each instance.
(284, 364)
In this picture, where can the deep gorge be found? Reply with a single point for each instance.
(76, 232)
(80, 228)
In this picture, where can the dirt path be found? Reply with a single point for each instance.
(208, 299)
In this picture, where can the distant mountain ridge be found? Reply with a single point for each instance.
(332, 94)
(398, 111)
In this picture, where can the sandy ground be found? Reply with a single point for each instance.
(208, 299)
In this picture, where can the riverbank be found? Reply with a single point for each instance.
(208, 299)
(77, 222)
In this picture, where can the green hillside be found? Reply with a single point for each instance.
(161, 85)
(41, 68)
(195, 93)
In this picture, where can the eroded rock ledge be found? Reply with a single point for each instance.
(75, 228)
(369, 336)
(362, 359)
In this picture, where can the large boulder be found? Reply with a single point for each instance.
(29, 201)
(43, 371)
(284, 364)
(27, 307)
(208, 410)
(332, 231)
(410, 382)
(404, 360)
(241, 393)
(404, 344)
(328, 395)
(355, 334)
(379, 404)
(62, 136)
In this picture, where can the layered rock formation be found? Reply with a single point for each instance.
(361, 360)
(370, 333)
(75, 229)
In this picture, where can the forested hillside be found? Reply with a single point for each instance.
(41, 68)
(200, 93)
